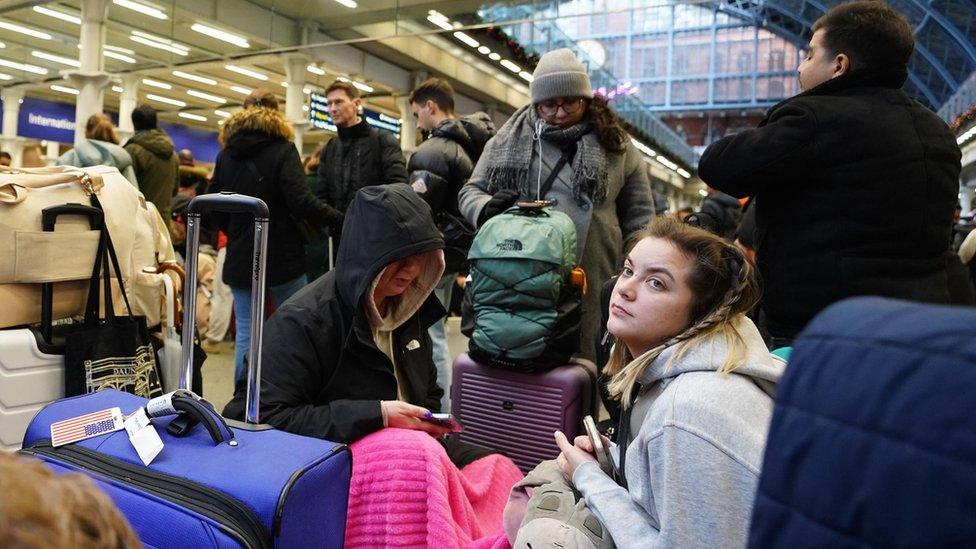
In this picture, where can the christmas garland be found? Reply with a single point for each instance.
(963, 119)
(520, 55)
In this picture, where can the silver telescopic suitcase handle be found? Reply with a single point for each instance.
(227, 202)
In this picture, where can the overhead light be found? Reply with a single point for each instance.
(363, 87)
(230, 38)
(167, 100)
(284, 84)
(348, 3)
(207, 96)
(191, 116)
(667, 163)
(464, 37)
(159, 42)
(157, 84)
(117, 89)
(494, 56)
(56, 58)
(24, 30)
(222, 114)
(526, 76)
(484, 50)
(126, 51)
(439, 19)
(23, 67)
(305, 108)
(5, 76)
(64, 89)
(2, 45)
(246, 72)
(58, 14)
(511, 66)
(683, 173)
(195, 78)
(315, 70)
(643, 148)
(307, 90)
(141, 8)
(120, 57)
(241, 90)
(703, 192)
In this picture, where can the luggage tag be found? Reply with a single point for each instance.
(86, 426)
(143, 436)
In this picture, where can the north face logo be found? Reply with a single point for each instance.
(510, 245)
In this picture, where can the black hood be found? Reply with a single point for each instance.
(384, 223)
(249, 142)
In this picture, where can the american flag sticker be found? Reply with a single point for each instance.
(86, 426)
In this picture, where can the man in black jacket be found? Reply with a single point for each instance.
(438, 169)
(349, 353)
(360, 155)
(854, 182)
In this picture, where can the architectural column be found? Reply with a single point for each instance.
(965, 199)
(11, 112)
(53, 152)
(295, 67)
(128, 100)
(90, 79)
(408, 129)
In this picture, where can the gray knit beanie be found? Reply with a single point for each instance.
(560, 74)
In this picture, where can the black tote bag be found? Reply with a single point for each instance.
(112, 352)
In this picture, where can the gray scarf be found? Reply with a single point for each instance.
(509, 156)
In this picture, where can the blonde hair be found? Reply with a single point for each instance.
(39, 509)
(723, 286)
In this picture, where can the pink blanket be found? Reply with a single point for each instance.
(405, 492)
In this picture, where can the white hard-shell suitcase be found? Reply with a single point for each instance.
(31, 376)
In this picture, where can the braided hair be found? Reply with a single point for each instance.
(724, 286)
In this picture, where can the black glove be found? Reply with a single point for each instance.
(500, 201)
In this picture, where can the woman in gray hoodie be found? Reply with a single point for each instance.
(696, 384)
(101, 147)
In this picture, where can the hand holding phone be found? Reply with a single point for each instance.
(446, 421)
(600, 450)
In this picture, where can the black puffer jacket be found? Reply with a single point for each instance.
(360, 156)
(263, 136)
(446, 159)
(854, 185)
(323, 375)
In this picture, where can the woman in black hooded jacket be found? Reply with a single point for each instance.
(349, 354)
(260, 160)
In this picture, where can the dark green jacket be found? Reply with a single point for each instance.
(157, 167)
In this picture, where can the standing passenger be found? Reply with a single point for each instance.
(569, 147)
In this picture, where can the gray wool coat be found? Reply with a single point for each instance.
(600, 229)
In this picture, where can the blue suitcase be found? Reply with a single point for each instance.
(222, 483)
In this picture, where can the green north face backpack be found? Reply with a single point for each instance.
(522, 306)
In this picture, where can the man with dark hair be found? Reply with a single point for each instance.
(5, 158)
(854, 182)
(441, 165)
(153, 159)
(359, 156)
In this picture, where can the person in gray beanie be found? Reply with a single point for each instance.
(569, 147)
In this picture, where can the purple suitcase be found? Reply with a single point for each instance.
(516, 413)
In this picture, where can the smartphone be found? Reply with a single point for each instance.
(445, 420)
(599, 449)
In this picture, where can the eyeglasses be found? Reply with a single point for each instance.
(550, 107)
